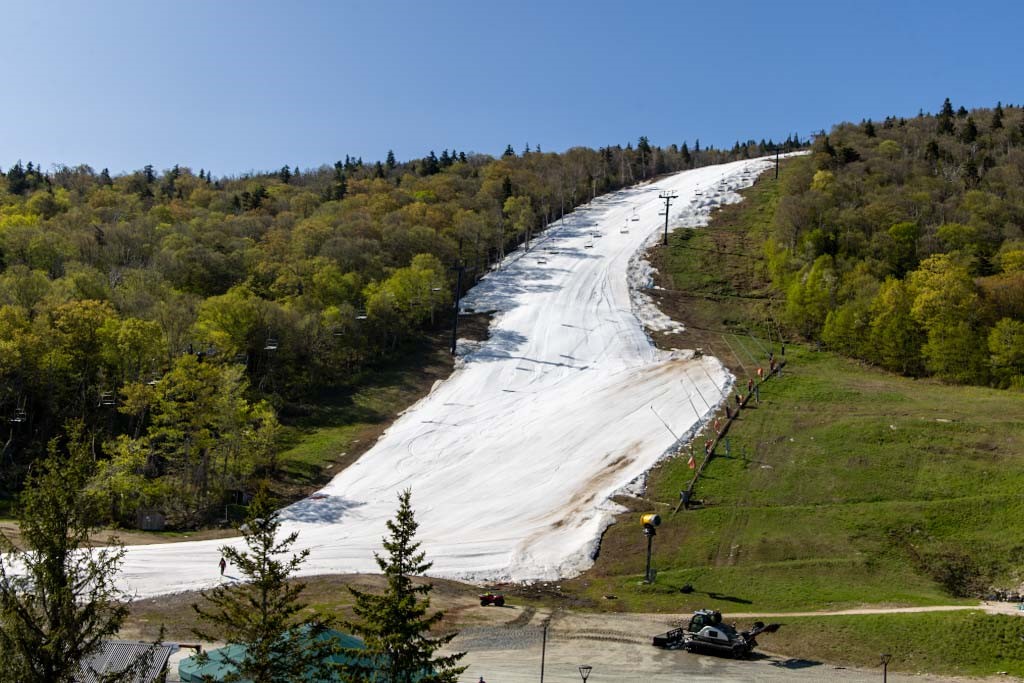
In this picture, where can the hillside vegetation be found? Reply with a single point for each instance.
(213, 331)
(902, 243)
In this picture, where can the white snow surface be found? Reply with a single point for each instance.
(512, 461)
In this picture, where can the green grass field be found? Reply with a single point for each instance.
(845, 486)
(957, 643)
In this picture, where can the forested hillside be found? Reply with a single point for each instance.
(902, 243)
(181, 316)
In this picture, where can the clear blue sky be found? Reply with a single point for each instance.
(235, 86)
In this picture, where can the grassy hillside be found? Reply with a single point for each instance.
(845, 486)
(952, 643)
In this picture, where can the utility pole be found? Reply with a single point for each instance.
(460, 268)
(668, 197)
(776, 162)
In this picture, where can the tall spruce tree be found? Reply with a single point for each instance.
(997, 116)
(395, 625)
(58, 598)
(946, 118)
(16, 181)
(262, 611)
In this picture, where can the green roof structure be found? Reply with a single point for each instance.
(216, 666)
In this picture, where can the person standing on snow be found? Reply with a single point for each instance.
(223, 565)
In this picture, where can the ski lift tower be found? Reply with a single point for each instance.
(668, 196)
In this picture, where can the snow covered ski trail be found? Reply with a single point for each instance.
(512, 460)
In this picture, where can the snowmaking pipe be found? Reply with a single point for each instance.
(677, 439)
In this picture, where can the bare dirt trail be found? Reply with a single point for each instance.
(987, 607)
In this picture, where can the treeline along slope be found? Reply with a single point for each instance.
(902, 243)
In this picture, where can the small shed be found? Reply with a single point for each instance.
(116, 656)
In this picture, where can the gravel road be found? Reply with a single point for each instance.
(618, 647)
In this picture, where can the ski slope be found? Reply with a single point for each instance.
(512, 460)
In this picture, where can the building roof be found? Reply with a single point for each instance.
(217, 663)
(118, 655)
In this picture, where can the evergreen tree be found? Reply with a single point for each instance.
(509, 152)
(337, 192)
(970, 131)
(58, 600)
(970, 173)
(997, 116)
(148, 172)
(285, 174)
(395, 626)
(16, 181)
(430, 164)
(869, 128)
(390, 162)
(462, 157)
(262, 612)
(105, 177)
(946, 118)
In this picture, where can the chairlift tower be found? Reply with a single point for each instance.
(668, 197)
(459, 268)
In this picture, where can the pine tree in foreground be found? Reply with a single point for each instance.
(395, 625)
(58, 599)
(263, 611)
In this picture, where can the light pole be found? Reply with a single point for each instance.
(886, 658)
(585, 670)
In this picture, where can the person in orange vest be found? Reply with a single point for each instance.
(718, 426)
(707, 447)
(760, 373)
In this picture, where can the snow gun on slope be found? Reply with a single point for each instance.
(707, 633)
